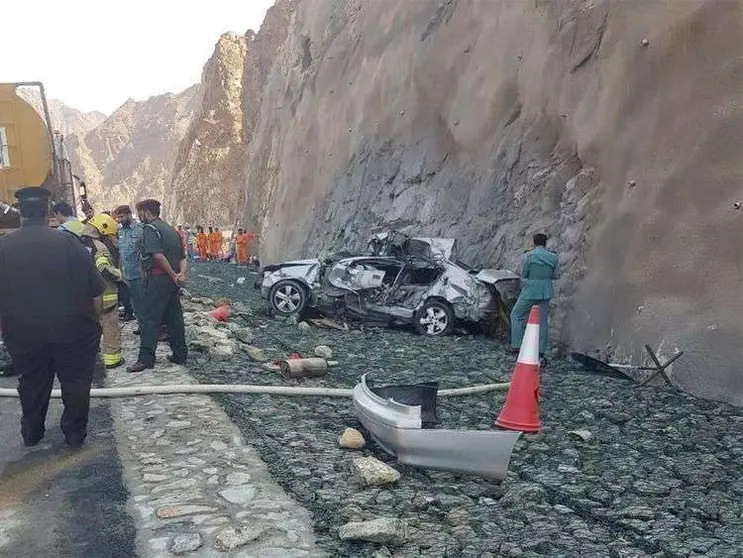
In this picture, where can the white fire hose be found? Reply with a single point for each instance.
(250, 389)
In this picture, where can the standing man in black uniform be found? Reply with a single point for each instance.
(164, 265)
(50, 298)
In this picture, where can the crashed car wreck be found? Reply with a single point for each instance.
(398, 429)
(402, 281)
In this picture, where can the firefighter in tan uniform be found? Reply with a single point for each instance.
(100, 232)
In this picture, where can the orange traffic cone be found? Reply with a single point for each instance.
(521, 411)
(220, 314)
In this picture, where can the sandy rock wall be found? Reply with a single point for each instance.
(65, 120)
(613, 126)
(207, 180)
(131, 154)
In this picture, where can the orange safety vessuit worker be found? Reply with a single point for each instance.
(242, 243)
(215, 243)
(210, 243)
(202, 243)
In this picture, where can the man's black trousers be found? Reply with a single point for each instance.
(74, 364)
(125, 298)
(161, 304)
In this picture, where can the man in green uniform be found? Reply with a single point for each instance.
(539, 269)
(50, 299)
(164, 265)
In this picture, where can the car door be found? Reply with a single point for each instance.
(362, 281)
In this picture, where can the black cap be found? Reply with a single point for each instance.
(32, 194)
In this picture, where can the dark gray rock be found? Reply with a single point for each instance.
(523, 494)
(383, 530)
(652, 488)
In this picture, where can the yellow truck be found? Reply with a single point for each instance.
(31, 153)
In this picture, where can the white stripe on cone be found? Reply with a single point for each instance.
(529, 352)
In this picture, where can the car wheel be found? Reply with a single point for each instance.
(288, 297)
(435, 318)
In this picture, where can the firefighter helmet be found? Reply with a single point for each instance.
(104, 224)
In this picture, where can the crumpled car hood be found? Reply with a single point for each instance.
(295, 263)
(305, 270)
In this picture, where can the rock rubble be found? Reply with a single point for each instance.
(652, 449)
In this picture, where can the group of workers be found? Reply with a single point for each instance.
(60, 294)
(125, 253)
(208, 245)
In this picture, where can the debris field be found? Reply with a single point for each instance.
(660, 472)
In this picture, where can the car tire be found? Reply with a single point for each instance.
(288, 297)
(435, 319)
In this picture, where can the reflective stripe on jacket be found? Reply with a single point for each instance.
(110, 275)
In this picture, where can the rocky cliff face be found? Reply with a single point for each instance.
(213, 176)
(69, 121)
(208, 175)
(131, 154)
(65, 120)
(614, 126)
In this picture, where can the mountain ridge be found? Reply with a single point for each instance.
(130, 155)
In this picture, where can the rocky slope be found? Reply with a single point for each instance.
(210, 181)
(65, 119)
(614, 126)
(208, 176)
(131, 154)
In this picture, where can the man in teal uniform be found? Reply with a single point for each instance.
(539, 269)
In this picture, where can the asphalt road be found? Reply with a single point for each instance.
(55, 501)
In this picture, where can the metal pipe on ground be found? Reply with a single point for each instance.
(250, 389)
(304, 367)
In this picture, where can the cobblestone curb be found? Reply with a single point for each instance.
(195, 487)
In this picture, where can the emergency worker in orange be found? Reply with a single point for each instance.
(210, 243)
(242, 244)
(202, 243)
(216, 243)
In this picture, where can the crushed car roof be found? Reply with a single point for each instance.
(438, 248)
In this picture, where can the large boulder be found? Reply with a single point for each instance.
(323, 351)
(385, 530)
(242, 334)
(222, 351)
(213, 332)
(254, 353)
(351, 439)
(369, 471)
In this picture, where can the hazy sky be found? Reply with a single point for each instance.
(94, 54)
